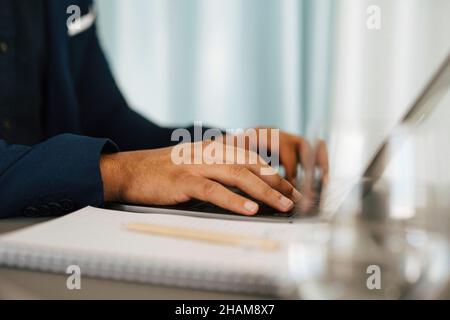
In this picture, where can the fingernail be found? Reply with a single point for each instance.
(251, 207)
(296, 195)
(286, 203)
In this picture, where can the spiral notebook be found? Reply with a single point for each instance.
(97, 241)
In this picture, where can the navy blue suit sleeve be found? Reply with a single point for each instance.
(52, 178)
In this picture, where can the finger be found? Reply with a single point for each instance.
(213, 192)
(307, 160)
(289, 160)
(242, 178)
(278, 183)
(306, 156)
(265, 172)
(322, 160)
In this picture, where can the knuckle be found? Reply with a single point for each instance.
(277, 181)
(183, 176)
(232, 198)
(268, 192)
(237, 171)
(209, 188)
(289, 188)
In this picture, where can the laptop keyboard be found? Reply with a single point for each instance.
(264, 210)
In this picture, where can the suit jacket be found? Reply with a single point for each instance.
(84, 113)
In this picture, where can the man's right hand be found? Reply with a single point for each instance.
(151, 178)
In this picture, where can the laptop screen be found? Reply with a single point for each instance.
(422, 112)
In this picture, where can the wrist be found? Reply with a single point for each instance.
(111, 177)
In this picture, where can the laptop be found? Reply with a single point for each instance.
(425, 103)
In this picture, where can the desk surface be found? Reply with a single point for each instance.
(19, 284)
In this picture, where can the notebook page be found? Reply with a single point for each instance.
(101, 233)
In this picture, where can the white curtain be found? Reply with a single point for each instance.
(285, 63)
(228, 63)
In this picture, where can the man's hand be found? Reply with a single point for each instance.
(293, 151)
(152, 178)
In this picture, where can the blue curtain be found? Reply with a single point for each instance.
(228, 63)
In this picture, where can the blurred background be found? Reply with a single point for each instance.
(229, 63)
(312, 67)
